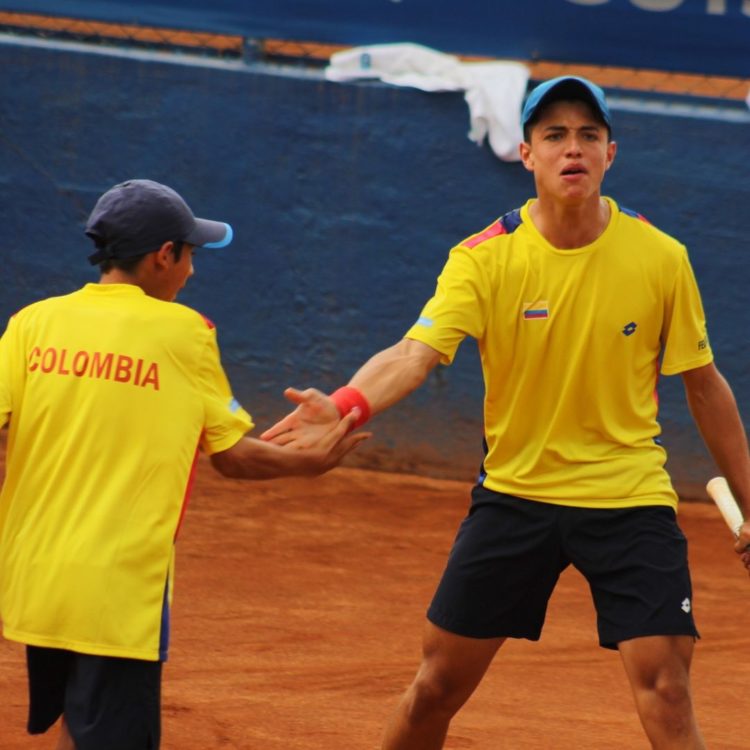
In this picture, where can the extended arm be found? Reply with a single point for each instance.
(250, 458)
(383, 380)
(394, 373)
(715, 412)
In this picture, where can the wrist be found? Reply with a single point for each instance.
(347, 398)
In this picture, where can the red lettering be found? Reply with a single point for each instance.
(124, 366)
(151, 377)
(36, 352)
(119, 367)
(48, 359)
(101, 366)
(61, 369)
(80, 363)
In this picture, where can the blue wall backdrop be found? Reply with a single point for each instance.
(701, 36)
(345, 200)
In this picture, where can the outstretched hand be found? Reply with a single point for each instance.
(315, 416)
(335, 444)
(742, 548)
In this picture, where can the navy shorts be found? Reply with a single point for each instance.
(107, 702)
(509, 553)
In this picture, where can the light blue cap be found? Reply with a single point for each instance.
(579, 88)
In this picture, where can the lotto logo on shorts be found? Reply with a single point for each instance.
(685, 606)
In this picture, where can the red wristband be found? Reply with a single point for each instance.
(346, 398)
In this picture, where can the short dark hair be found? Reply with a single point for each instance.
(128, 265)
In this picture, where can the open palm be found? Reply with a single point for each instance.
(315, 416)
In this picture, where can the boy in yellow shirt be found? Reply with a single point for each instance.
(110, 392)
(576, 304)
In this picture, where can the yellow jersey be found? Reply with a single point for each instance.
(108, 393)
(571, 344)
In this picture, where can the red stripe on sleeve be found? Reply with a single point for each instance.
(492, 231)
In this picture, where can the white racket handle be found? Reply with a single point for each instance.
(718, 490)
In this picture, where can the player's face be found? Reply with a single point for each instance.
(569, 152)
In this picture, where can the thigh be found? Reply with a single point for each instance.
(635, 561)
(114, 703)
(501, 570)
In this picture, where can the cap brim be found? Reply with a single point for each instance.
(207, 233)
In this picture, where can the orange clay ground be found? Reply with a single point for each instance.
(298, 614)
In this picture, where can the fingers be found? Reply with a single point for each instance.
(340, 439)
(743, 550)
(288, 437)
(299, 397)
(348, 421)
(277, 431)
(343, 447)
(348, 440)
(353, 440)
(294, 395)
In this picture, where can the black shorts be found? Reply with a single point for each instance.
(107, 702)
(509, 553)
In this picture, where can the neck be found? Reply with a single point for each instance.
(135, 278)
(570, 226)
(116, 276)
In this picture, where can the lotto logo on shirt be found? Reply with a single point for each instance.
(101, 365)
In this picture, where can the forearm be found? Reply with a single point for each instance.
(257, 459)
(382, 381)
(393, 373)
(715, 412)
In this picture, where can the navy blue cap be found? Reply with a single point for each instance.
(573, 86)
(139, 216)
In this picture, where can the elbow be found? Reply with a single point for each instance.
(703, 384)
(224, 465)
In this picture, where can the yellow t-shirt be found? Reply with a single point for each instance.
(109, 393)
(570, 343)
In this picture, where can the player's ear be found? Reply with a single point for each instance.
(611, 153)
(162, 255)
(524, 149)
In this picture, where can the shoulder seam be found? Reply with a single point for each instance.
(506, 224)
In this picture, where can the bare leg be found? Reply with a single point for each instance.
(658, 668)
(452, 667)
(65, 741)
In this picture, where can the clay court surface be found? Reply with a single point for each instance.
(298, 613)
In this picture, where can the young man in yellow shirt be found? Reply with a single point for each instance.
(110, 392)
(576, 304)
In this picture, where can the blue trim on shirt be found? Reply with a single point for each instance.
(165, 624)
(512, 220)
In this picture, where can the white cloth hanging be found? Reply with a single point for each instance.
(494, 90)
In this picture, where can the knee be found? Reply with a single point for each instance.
(674, 692)
(669, 695)
(433, 693)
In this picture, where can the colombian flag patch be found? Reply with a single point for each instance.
(537, 310)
